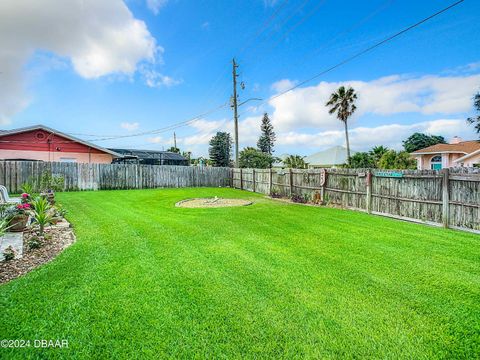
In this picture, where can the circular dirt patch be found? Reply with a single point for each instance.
(212, 203)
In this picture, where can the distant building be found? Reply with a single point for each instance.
(279, 162)
(149, 157)
(41, 143)
(457, 153)
(332, 157)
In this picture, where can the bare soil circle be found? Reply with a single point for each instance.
(215, 202)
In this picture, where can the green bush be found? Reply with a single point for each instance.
(9, 254)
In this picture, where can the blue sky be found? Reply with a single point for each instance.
(123, 68)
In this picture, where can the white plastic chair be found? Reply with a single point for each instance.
(7, 199)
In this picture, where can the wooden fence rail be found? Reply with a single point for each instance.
(449, 197)
(112, 176)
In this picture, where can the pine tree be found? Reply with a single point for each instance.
(220, 149)
(267, 138)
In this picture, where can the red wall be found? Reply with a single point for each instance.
(40, 140)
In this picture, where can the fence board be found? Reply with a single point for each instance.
(112, 176)
(415, 195)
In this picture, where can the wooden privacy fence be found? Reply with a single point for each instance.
(112, 176)
(450, 197)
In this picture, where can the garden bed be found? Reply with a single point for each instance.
(57, 238)
(212, 203)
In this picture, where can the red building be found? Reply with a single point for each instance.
(42, 143)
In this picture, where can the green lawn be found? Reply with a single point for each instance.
(146, 279)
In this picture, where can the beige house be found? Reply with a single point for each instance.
(457, 153)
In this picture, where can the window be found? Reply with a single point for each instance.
(436, 162)
(69, 160)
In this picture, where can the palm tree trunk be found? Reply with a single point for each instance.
(347, 141)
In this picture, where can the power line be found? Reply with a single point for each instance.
(300, 22)
(156, 131)
(370, 48)
(265, 25)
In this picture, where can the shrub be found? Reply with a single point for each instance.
(60, 211)
(7, 211)
(299, 198)
(34, 243)
(27, 188)
(49, 182)
(275, 193)
(9, 253)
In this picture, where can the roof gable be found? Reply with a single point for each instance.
(336, 155)
(58, 134)
(464, 147)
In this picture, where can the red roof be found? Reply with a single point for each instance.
(464, 147)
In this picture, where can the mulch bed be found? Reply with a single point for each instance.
(212, 203)
(57, 239)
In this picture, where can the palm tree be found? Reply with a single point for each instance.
(295, 162)
(342, 102)
(377, 152)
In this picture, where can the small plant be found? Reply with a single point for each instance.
(275, 193)
(60, 211)
(42, 213)
(299, 198)
(7, 211)
(9, 253)
(27, 188)
(25, 198)
(4, 224)
(34, 242)
(23, 208)
(49, 182)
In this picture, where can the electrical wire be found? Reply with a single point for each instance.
(364, 51)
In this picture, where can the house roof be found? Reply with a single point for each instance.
(281, 158)
(336, 155)
(465, 157)
(150, 154)
(70, 137)
(464, 147)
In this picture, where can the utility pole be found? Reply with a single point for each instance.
(235, 108)
(174, 140)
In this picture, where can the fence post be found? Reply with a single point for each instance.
(270, 182)
(445, 198)
(241, 179)
(291, 182)
(253, 177)
(369, 191)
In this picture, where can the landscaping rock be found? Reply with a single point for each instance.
(15, 240)
(56, 239)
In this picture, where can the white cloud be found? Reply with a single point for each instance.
(363, 138)
(129, 126)
(305, 107)
(156, 5)
(283, 85)
(154, 79)
(155, 140)
(98, 37)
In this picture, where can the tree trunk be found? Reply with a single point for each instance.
(347, 141)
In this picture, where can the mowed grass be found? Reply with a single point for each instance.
(270, 280)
